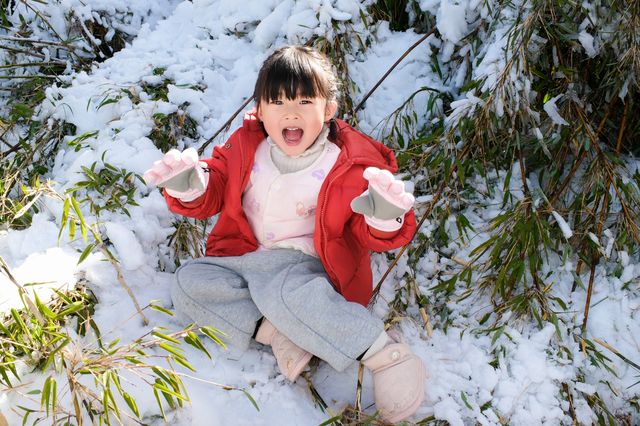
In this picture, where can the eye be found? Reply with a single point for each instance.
(306, 102)
(275, 102)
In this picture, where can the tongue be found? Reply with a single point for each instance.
(292, 136)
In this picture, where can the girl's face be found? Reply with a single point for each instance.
(295, 124)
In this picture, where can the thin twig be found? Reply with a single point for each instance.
(121, 280)
(36, 41)
(404, 55)
(25, 52)
(250, 98)
(225, 125)
(587, 303)
(32, 64)
(622, 127)
(358, 402)
(11, 77)
(434, 201)
(568, 178)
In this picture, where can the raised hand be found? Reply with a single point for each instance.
(385, 202)
(180, 173)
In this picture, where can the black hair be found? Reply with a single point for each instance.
(295, 71)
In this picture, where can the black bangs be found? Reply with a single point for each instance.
(293, 71)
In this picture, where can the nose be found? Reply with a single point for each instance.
(291, 112)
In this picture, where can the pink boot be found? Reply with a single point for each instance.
(398, 381)
(291, 358)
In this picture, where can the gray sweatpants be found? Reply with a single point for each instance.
(289, 288)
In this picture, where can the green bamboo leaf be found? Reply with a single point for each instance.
(74, 307)
(54, 352)
(253, 401)
(86, 252)
(156, 394)
(497, 333)
(160, 372)
(115, 379)
(44, 309)
(165, 390)
(182, 361)
(192, 339)
(161, 309)
(165, 337)
(463, 396)
(83, 225)
(109, 405)
(65, 217)
(131, 403)
(172, 349)
(44, 399)
(18, 319)
(107, 101)
(72, 230)
(212, 333)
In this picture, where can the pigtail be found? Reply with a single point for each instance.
(333, 130)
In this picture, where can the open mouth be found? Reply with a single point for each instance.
(292, 135)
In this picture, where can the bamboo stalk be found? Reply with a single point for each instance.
(622, 127)
(587, 303)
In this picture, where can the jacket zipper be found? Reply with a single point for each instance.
(323, 232)
(342, 170)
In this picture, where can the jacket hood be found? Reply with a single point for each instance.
(362, 149)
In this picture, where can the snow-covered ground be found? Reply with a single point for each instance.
(210, 51)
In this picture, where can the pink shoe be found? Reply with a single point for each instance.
(398, 381)
(291, 358)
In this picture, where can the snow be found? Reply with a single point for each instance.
(564, 226)
(210, 51)
(551, 108)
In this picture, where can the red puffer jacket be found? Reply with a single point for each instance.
(342, 238)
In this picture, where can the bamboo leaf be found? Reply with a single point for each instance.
(86, 252)
(192, 339)
(131, 403)
(212, 333)
(83, 225)
(165, 337)
(161, 309)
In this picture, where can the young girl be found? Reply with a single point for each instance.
(303, 198)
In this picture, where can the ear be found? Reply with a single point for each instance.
(330, 110)
(258, 111)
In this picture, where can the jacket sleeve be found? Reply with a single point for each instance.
(211, 202)
(360, 230)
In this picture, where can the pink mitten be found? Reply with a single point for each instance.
(180, 173)
(385, 203)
